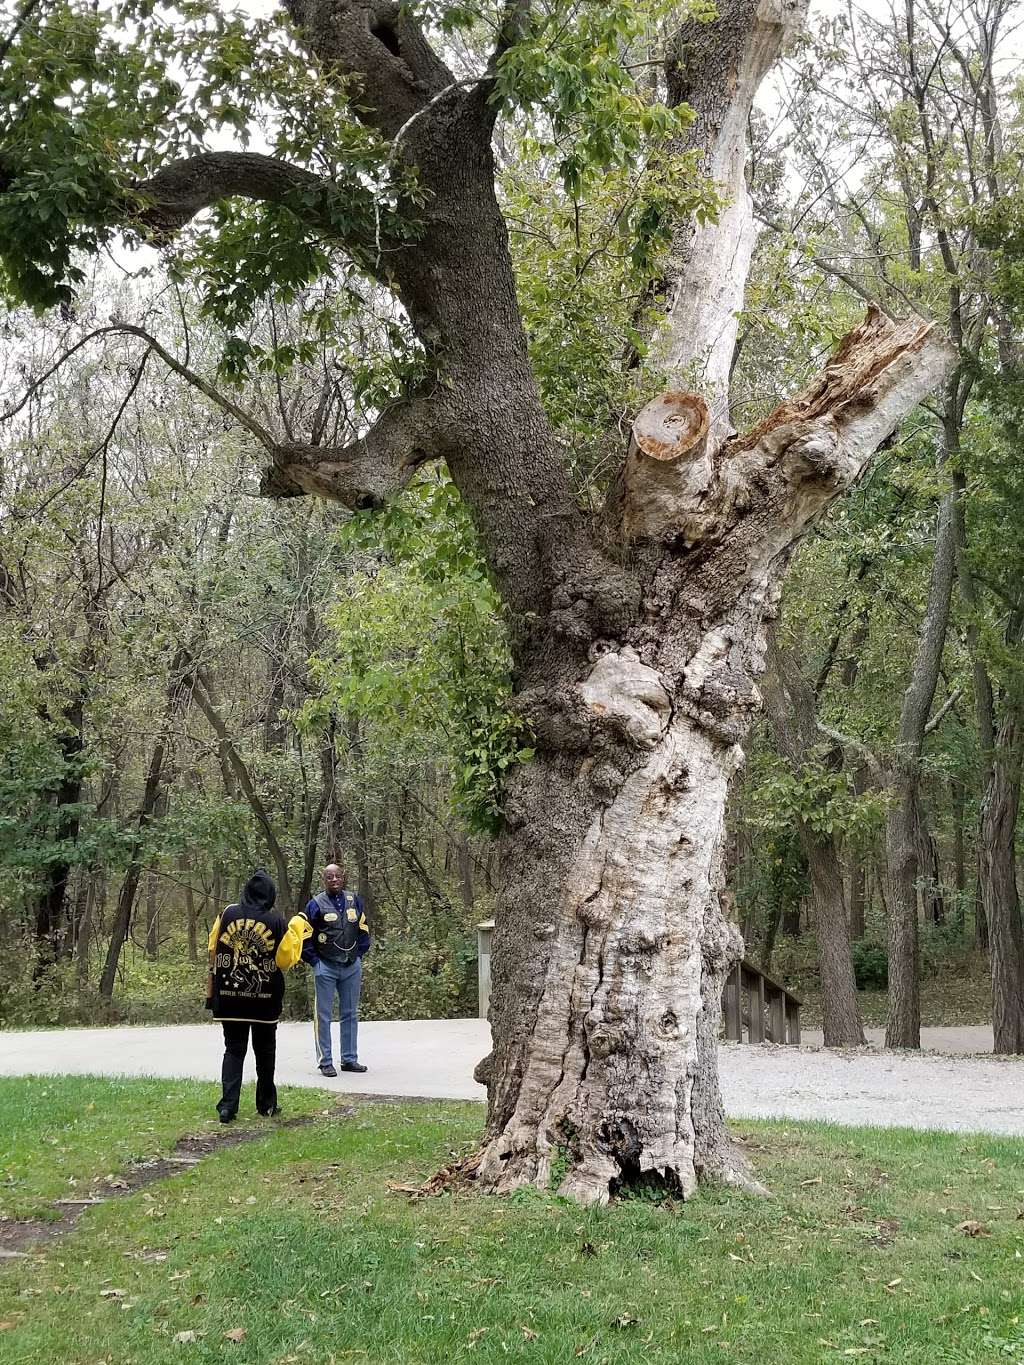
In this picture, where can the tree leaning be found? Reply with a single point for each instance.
(638, 629)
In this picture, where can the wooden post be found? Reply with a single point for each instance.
(792, 1020)
(777, 1016)
(484, 930)
(732, 1005)
(755, 989)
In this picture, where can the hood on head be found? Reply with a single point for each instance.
(259, 892)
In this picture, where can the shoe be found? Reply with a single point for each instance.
(352, 1066)
(327, 1070)
(225, 1117)
(270, 1113)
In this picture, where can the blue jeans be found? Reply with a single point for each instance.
(330, 979)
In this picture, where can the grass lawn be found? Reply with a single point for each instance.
(57, 1133)
(295, 1246)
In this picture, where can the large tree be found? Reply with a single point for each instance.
(636, 628)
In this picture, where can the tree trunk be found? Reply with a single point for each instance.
(903, 822)
(85, 899)
(791, 707)
(903, 1029)
(464, 857)
(1000, 807)
(152, 918)
(232, 761)
(191, 916)
(133, 872)
(857, 898)
(980, 918)
(627, 946)
(52, 939)
(177, 697)
(959, 858)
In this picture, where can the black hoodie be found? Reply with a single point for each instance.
(249, 944)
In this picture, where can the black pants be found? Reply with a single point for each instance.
(264, 1046)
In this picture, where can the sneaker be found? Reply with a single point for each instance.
(352, 1066)
(225, 1116)
(270, 1113)
(327, 1070)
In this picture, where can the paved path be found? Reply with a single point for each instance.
(435, 1058)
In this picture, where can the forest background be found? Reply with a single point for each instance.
(195, 680)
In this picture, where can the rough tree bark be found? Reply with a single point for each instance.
(177, 697)
(998, 929)
(637, 634)
(904, 819)
(791, 708)
(998, 869)
(53, 942)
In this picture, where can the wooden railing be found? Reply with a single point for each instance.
(772, 1013)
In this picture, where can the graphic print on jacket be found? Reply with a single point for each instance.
(247, 957)
(247, 983)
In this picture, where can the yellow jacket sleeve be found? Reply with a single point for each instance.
(289, 950)
(214, 933)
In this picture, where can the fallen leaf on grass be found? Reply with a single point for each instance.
(528, 1332)
(6, 1325)
(113, 1293)
(815, 1181)
(474, 1337)
(970, 1227)
(237, 1334)
(185, 1338)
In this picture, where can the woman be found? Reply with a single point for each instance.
(250, 947)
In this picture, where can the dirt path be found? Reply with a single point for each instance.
(435, 1058)
(16, 1234)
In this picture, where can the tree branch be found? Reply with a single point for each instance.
(859, 748)
(245, 419)
(365, 472)
(827, 266)
(788, 468)
(177, 192)
(943, 711)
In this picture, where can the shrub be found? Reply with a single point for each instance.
(870, 965)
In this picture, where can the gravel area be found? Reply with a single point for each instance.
(434, 1058)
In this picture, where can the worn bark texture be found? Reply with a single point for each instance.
(637, 632)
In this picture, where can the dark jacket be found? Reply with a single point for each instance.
(340, 934)
(251, 945)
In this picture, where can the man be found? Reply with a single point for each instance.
(335, 951)
(251, 945)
